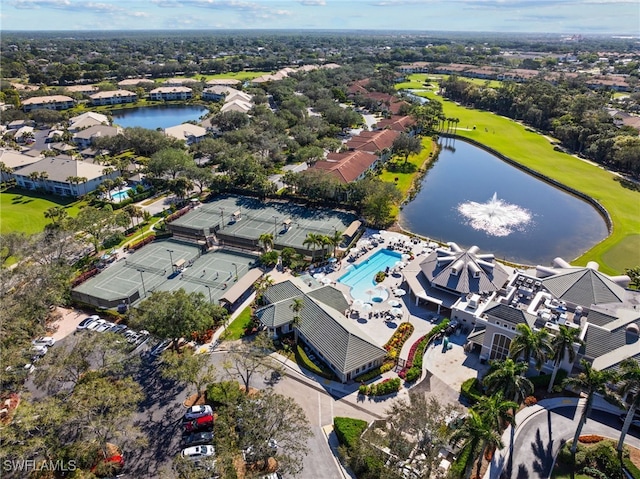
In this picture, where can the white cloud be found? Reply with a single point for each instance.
(318, 3)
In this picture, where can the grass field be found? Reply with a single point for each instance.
(417, 80)
(622, 248)
(23, 211)
(236, 329)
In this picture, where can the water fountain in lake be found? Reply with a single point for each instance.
(495, 217)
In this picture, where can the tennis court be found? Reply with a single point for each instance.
(152, 269)
(241, 220)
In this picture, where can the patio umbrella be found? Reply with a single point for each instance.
(405, 256)
(398, 264)
(318, 275)
(333, 259)
(357, 303)
(326, 280)
(399, 292)
(396, 311)
(377, 236)
(366, 307)
(394, 303)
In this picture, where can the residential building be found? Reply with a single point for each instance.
(322, 326)
(24, 133)
(237, 105)
(84, 138)
(348, 166)
(167, 93)
(223, 82)
(12, 160)
(378, 142)
(180, 81)
(86, 120)
(58, 175)
(84, 89)
(187, 132)
(52, 102)
(396, 123)
(133, 82)
(116, 97)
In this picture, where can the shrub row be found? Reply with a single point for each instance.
(413, 367)
(542, 381)
(388, 386)
(470, 390)
(374, 373)
(177, 214)
(631, 468)
(84, 276)
(141, 243)
(397, 340)
(348, 430)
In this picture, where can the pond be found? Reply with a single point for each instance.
(471, 197)
(153, 117)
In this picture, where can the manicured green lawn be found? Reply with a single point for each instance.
(236, 329)
(417, 80)
(23, 211)
(535, 151)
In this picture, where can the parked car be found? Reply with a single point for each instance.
(195, 412)
(104, 327)
(634, 423)
(96, 324)
(39, 351)
(198, 438)
(198, 452)
(204, 423)
(160, 348)
(86, 322)
(118, 328)
(47, 341)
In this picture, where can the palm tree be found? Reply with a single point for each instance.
(496, 410)
(312, 240)
(335, 239)
(267, 241)
(261, 286)
(508, 376)
(531, 344)
(476, 435)
(56, 214)
(296, 306)
(561, 345)
(629, 385)
(591, 382)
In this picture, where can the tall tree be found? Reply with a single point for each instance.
(562, 345)
(297, 304)
(531, 344)
(476, 435)
(99, 223)
(629, 388)
(406, 145)
(591, 382)
(312, 240)
(247, 360)
(267, 241)
(496, 410)
(508, 376)
(176, 314)
(189, 368)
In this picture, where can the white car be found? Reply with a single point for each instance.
(195, 412)
(198, 452)
(39, 351)
(104, 327)
(47, 341)
(94, 326)
(86, 322)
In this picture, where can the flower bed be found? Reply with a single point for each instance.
(414, 361)
(177, 214)
(141, 243)
(394, 345)
(84, 276)
(388, 386)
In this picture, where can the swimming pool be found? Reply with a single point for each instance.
(121, 195)
(361, 276)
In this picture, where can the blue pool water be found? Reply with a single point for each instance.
(120, 195)
(361, 276)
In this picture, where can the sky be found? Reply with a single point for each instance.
(535, 16)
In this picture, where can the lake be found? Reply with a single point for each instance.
(471, 197)
(153, 117)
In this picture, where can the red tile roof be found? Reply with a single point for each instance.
(373, 141)
(348, 166)
(396, 123)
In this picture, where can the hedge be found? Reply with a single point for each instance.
(348, 430)
(388, 386)
(470, 390)
(631, 468)
(542, 381)
(374, 373)
(458, 467)
(413, 367)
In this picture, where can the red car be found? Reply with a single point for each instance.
(204, 423)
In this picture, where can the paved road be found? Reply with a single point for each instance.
(538, 441)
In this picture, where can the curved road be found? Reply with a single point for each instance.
(539, 439)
